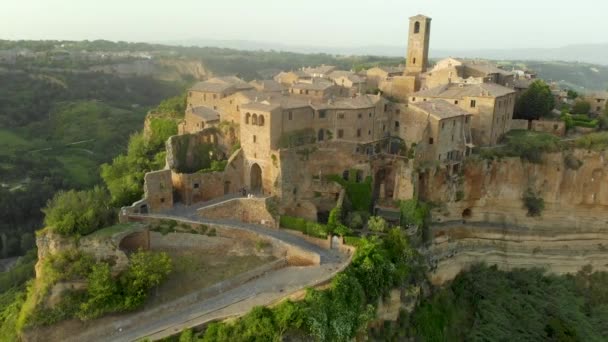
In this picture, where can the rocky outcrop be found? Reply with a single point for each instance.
(481, 216)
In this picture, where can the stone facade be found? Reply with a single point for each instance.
(491, 105)
(158, 189)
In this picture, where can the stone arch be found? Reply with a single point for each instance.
(135, 241)
(255, 178)
(417, 27)
(247, 117)
(254, 119)
(467, 213)
(321, 135)
(261, 120)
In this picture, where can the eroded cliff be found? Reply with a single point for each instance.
(481, 215)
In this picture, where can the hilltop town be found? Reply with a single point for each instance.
(341, 194)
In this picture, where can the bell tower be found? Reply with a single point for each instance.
(418, 45)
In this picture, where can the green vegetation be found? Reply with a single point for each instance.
(359, 193)
(535, 103)
(174, 107)
(581, 107)
(414, 213)
(339, 313)
(377, 224)
(124, 177)
(191, 160)
(533, 203)
(160, 130)
(20, 273)
(104, 294)
(307, 227)
(79, 212)
(527, 145)
(485, 304)
(593, 141)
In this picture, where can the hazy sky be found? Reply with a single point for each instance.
(468, 24)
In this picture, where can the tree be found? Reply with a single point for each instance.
(572, 94)
(581, 107)
(146, 270)
(536, 102)
(79, 212)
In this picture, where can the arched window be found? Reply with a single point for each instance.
(247, 116)
(417, 27)
(254, 119)
(261, 120)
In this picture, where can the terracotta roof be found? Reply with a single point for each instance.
(440, 109)
(319, 70)
(458, 91)
(205, 113)
(267, 85)
(221, 84)
(334, 75)
(316, 84)
(484, 67)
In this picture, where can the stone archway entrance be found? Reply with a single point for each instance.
(255, 180)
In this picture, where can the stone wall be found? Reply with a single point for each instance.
(280, 249)
(158, 190)
(556, 127)
(249, 210)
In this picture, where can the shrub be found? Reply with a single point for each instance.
(581, 107)
(356, 219)
(593, 141)
(533, 203)
(377, 224)
(79, 212)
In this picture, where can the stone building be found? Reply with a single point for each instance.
(452, 70)
(350, 83)
(598, 101)
(446, 136)
(197, 119)
(491, 105)
(400, 87)
(316, 88)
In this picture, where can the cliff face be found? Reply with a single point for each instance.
(482, 217)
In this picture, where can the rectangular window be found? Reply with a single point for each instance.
(473, 103)
(359, 115)
(290, 115)
(466, 119)
(442, 125)
(431, 141)
(340, 133)
(322, 114)
(455, 102)
(358, 132)
(254, 138)
(340, 115)
(196, 185)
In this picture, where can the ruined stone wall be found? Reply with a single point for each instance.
(158, 190)
(302, 186)
(556, 127)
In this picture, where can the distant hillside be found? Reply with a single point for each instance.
(586, 53)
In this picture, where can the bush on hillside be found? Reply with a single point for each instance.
(79, 212)
(533, 203)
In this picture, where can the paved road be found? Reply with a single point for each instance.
(264, 290)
